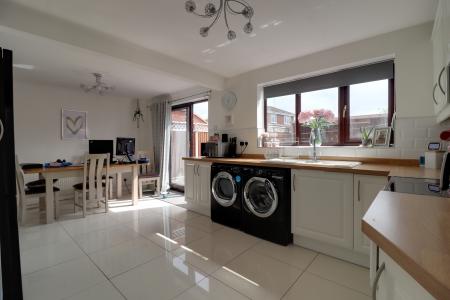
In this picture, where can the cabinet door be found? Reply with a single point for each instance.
(366, 189)
(322, 206)
(189, 181)
(440, 49)
(396, 284)
(203, 201)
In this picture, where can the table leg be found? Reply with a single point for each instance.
(119, 185)
(134, 185)
(49, 200)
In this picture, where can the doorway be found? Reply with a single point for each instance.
(189, 129)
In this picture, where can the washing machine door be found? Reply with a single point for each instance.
(261, 197)
(224, 189)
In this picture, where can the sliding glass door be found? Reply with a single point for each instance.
(189, 129)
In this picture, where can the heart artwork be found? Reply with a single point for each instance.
(74, 125)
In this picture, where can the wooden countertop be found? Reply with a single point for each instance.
(415, 231)
(386, 168)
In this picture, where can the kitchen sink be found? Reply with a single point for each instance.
(308, 162)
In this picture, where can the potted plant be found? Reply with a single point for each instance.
(366, 139)
(317, 120)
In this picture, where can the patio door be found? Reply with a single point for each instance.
(189, 129)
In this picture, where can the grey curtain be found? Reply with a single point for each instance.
(161, 120)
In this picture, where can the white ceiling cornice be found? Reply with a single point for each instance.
(23, 19)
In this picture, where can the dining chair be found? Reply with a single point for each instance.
(25, 194)
(146, 175)
(94, 183)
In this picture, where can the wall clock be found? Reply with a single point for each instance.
(229, 100)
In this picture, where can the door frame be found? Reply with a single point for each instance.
(190, 126)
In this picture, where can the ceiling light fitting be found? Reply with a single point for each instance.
(99, 86)
(233, 7)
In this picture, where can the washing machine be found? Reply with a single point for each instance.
(266, 205)
(226, 195)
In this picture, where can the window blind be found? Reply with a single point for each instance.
(372, 72)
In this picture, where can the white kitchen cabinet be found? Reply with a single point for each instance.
(441, 56)
(322, 206)
(396, 284)
(365, 189)
(197, 186)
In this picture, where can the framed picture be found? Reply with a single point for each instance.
(73, 125)
(382, 137)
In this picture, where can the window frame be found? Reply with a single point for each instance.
(343, 117)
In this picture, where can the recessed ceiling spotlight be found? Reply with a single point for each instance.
(23, 66)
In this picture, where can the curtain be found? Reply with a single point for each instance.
(161, 121)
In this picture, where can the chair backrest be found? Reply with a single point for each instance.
(95, 165)
(20, 180)
(145, 168)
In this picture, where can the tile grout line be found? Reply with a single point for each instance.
(90, 259)
(340, 284)
(301, 274)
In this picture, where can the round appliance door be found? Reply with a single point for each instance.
(261, 197)
(223, 188)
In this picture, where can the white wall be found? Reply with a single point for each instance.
(411, 48)
(37, 113)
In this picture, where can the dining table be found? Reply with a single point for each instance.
(52, 173)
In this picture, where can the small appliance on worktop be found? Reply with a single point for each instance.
(423, 186)
(219, 146)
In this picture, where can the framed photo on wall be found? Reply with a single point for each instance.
(73, 125)
(382, 136)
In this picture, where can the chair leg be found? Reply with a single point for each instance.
(107, 198)
(75, 201)
(140, 189)
(84, 204)
(157, 187)
(57, 208)
(110, 189)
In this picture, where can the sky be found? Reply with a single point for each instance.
(201, 110)
(365, 98)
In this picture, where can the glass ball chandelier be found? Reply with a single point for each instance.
(234, 7)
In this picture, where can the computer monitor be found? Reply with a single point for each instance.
(125, 146)
(102, 146)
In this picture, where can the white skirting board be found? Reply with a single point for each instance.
(331, 250)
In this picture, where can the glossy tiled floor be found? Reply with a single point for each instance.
(161, 251)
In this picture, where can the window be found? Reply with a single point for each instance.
(273, 119)
(353, 103)
(283, 131)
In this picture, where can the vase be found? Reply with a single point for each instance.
(315, 137)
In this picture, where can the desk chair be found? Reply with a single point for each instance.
(24, 193)
(92, 180)
(147, 176)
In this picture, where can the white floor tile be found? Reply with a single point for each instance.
(196, 259)
(176, 212)
(204, 223)
(104, 238)
(211, 289)
(102, 291)
(292, 254)
(312, 287)
(38, 236)
(161, 278)
(35, 259)
(61, 281)
(125, 256)
(258, 276)
(89, 224)
(339, 271)
(223, 245)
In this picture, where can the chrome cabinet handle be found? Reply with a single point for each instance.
(293, 182)
(375, 282)
(2, 129)
(439, 80)
(434, 93)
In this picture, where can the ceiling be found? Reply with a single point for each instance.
(67, 66)
(284, 29)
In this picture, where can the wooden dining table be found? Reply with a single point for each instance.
(49, 174)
